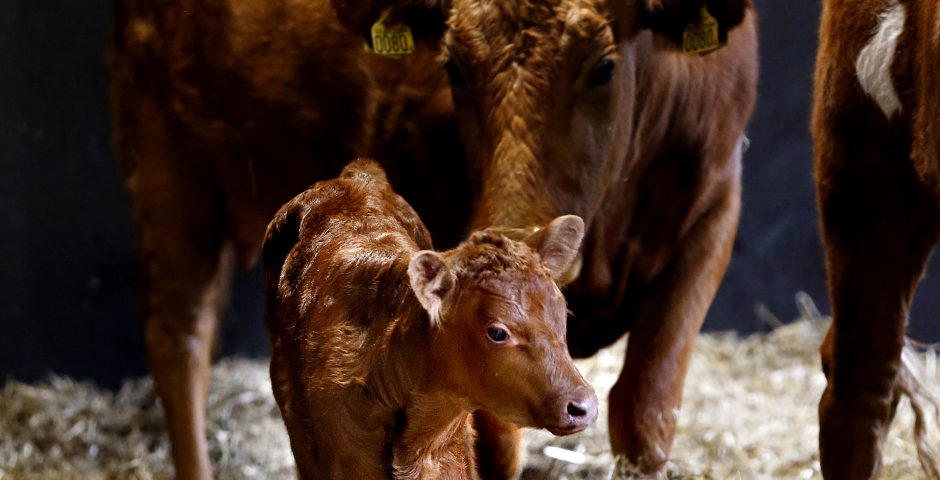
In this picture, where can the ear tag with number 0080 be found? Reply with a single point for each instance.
(703, 37)
(391, 40)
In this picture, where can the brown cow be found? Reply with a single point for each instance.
(876, 125)
(589, 107)
(226, 110)
(382, 349)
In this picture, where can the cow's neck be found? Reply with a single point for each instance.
(673, 139)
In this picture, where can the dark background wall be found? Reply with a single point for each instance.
(67, 270)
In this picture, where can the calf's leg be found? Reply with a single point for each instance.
(498, 448)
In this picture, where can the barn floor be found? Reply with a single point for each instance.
(749, 413)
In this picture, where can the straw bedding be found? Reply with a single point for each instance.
(749, 412)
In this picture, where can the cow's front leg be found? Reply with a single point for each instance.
(644, 402)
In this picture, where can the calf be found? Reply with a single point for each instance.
(876, 126)
(382, 348)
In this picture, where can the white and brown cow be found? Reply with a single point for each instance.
(876, 126)
(605, 109)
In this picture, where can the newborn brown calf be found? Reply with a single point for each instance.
(382, 348)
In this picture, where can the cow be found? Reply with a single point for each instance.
(594, 108)
(501, 113)
(382, 348)
(876, 128)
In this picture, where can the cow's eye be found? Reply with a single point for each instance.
(497, 334)
(454, 74)
(603, 72)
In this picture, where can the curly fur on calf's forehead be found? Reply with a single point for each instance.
(487, 255)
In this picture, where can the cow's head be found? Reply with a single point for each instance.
(545, 95)
(545, 91)
(499, 326)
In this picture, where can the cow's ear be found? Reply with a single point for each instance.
(672, 18)
(425, 18)
(558, 244)
(432, 282)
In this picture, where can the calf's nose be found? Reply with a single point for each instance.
(582, 408)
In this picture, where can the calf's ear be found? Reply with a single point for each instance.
(282, 235)
(672, 17)
(432, 282)
(558, 244)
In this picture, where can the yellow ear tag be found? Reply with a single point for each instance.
(703, 37)
(391, 40)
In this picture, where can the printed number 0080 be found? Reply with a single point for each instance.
(700, 40)
(392, 43)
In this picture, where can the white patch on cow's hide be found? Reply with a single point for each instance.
(936, 28)
(873, 66)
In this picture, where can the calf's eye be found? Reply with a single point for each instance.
(603, 72)
(497, 334)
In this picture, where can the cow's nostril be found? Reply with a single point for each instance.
(577, 409)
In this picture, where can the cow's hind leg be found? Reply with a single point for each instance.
(180, 311)
(184, 264)
(879, 226)
(183, 284)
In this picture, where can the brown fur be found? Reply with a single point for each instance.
(225, 110)
(651, 161)
(370, 384)
(879, 199)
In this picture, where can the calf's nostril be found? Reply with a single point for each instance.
(577, 409)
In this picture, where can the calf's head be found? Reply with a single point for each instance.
(498, 326)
